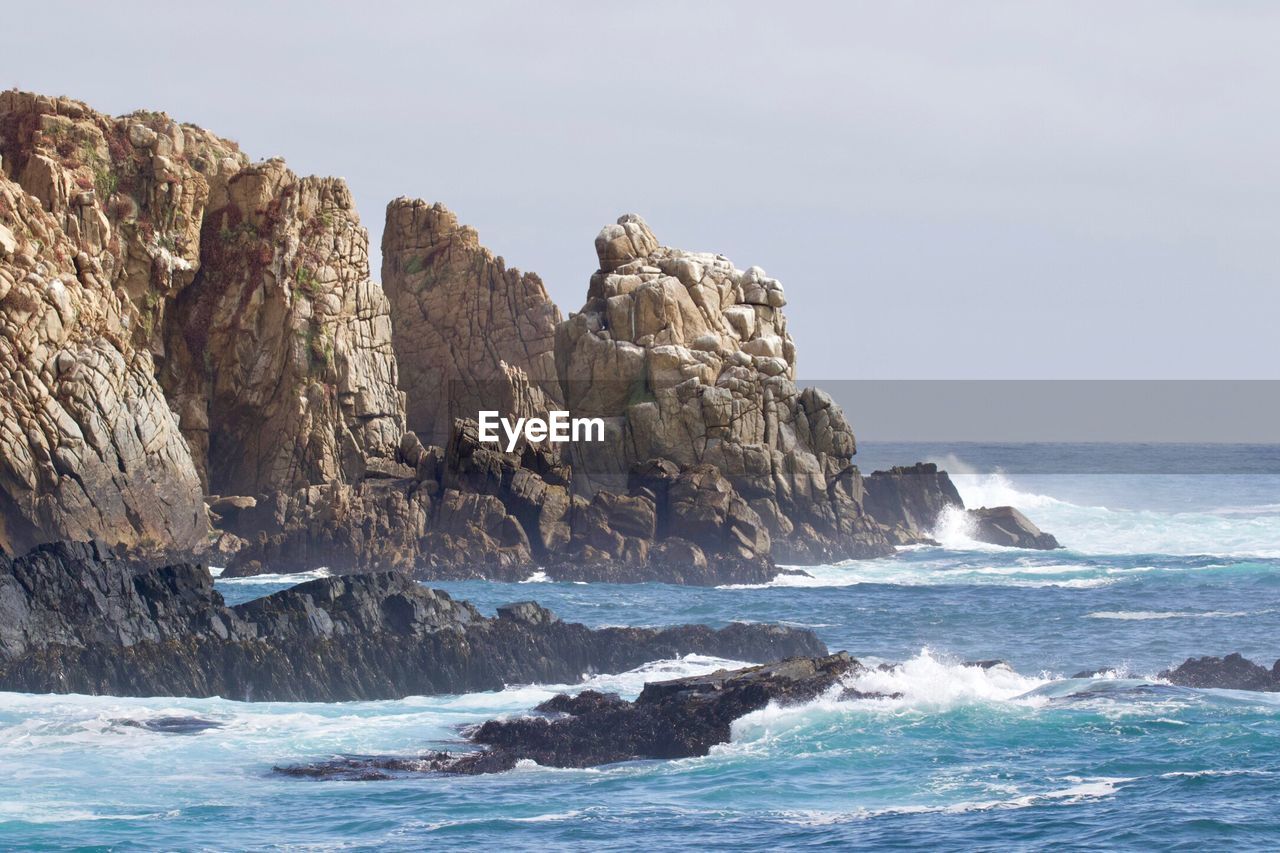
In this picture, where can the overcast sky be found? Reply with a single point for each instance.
(947, 190)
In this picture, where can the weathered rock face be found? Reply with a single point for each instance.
(464, 323)
(72, 620)
(137, 248)
(1006, 526)
(687, 358)
(281, 366)
(99, 224)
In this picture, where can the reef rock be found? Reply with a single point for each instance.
(1233, 672)
(681, 718)
(74, 620)
(466, 326)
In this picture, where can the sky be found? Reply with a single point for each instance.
(977, 190)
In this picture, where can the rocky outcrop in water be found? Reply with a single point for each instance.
(681, 718)
(1233, 672)
(1006, 526)
(909, 500)
(72, 619)
(465, 323)
(176, 322)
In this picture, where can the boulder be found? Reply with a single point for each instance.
(1004, 525)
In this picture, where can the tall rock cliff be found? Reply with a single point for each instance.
(146, 269)
(688, 358)
(464, 322)
(99, 231)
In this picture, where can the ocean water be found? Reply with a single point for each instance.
(1171, 551)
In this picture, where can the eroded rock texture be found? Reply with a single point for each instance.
(146, 269)
(468, 329)
(281, 365)
(688, 359)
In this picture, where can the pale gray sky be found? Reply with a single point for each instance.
(947, 190)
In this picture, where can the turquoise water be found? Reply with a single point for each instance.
(1158, 567)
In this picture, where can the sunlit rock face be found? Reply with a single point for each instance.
(688, 358)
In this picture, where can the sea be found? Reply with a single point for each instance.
(1170, 551)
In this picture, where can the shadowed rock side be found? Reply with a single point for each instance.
(908, 500)
(73, 620)
(687, 358)
(464, 322)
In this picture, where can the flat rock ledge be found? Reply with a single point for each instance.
(74, 620)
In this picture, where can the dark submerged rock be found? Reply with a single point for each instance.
(172, 725)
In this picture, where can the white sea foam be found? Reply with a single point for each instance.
(537, 577)
(273, 579)
(926, 683)
(1078, 789)
(1146, 615)
(1233, 531)
(930, 681)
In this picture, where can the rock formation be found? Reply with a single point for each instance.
(74, 620)
(145, 267)
(1007, 527)
(1233, 672)
(688, 359)
(465, 324)
(681, 718)
(909, 500)
(99, 228)
(280, 360)
(177, 323)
